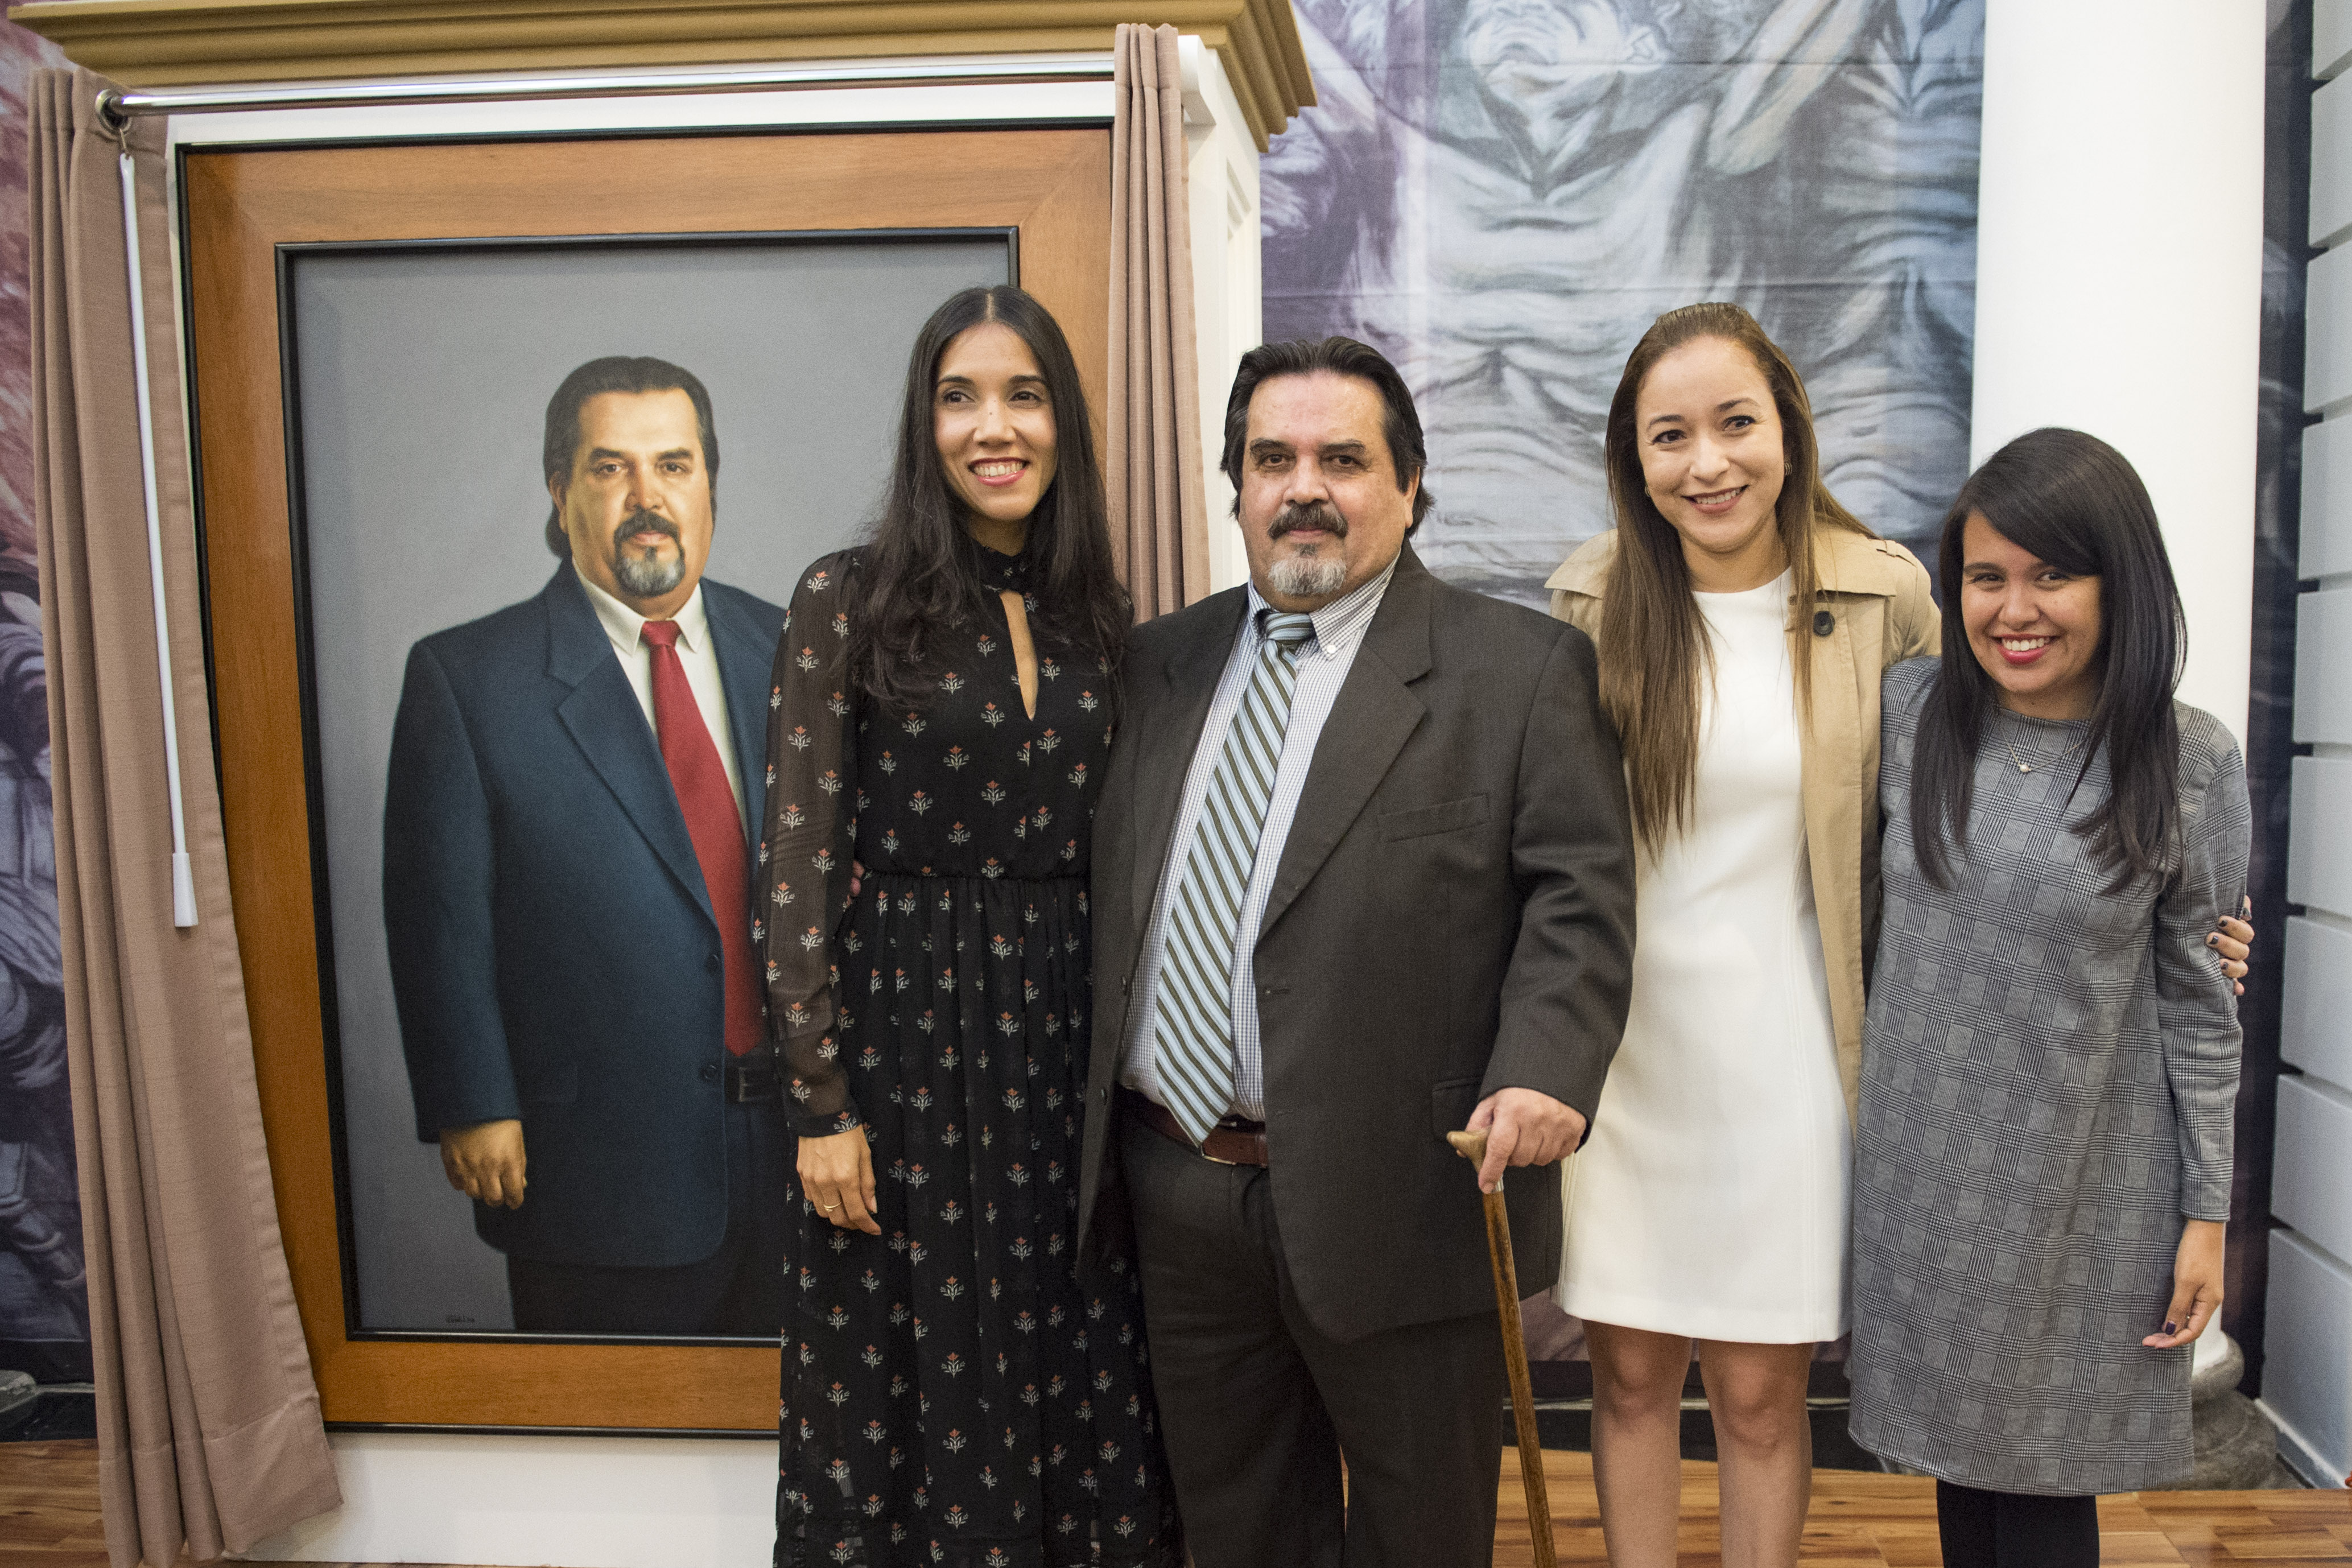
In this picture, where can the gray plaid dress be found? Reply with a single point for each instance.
(2048, 1077)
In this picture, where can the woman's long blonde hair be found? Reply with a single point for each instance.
(1653, 643)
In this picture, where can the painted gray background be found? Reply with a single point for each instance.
(425, 376)
(1502, 195)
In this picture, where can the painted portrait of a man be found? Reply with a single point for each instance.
(570, 806)
(540, 616)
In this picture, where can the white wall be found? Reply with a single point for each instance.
(1222, 166)
(2119, 247)
(2307, 1367)
(901, 101)
(655, 1502)
(584, 1502)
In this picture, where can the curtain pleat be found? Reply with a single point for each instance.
(209, 1429)
(1160, 531)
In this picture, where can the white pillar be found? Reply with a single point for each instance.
(1221, 168)
(2119, 256)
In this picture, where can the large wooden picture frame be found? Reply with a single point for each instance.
(239, 208)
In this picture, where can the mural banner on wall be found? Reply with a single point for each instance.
(44, 1313)
(1502, 195)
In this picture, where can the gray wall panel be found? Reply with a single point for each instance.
(2325, 546)
(2319, 855)
(2327, 331)
(2315, 1027)
(2323, 666)
(2309, 1385)
(2331, 162)
(2311, 1186)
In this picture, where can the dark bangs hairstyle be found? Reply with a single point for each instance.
(1653, 643)
(1399, 424)
(918, 581)
(560, 443)
(2074, 501)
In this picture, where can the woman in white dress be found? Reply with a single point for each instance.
(1743, 619)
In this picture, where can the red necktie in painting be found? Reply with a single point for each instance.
(713, 823)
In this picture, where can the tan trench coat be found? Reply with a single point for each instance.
(1875, 594)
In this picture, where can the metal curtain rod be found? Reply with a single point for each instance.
(116, 107)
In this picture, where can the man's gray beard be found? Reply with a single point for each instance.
(648, 576)
(1307, 576)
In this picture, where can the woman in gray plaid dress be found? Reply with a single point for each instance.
(2049, 1059)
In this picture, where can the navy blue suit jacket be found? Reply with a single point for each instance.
(554, 955)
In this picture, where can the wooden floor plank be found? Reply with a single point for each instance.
(1889, 1522)
(48, 1518)
(2274, 1544)
(2137, 1549)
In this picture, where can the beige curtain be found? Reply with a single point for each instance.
(209, 1431)
(1159, 525)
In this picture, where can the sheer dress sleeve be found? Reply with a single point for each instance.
(2196, 1008)
(807, 844)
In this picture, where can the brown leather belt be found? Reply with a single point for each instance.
(1232, 1141)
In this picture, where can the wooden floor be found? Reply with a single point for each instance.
(1889, 1522)
(48, 1518)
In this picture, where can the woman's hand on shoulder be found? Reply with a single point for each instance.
(2234, 940)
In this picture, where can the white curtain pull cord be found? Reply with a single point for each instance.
(184, 881)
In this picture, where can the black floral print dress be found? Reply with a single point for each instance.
(954, 1392)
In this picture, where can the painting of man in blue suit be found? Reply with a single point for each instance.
(574, 789)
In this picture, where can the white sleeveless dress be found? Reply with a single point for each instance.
(1711, 1199)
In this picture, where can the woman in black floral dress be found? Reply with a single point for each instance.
(954, 1389)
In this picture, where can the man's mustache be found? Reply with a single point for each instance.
(642, 522)
(1296, 515)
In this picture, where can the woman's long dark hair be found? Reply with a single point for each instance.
(917, 579)
(2072, 500)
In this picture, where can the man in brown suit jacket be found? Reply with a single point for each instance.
(1362, 876)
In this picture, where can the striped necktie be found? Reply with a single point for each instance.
(1193, 1033)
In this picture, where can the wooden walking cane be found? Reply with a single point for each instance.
(1472, 1146)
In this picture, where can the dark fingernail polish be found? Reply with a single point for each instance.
(2212, 941)
(2169, 1328)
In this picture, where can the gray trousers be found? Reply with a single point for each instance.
(1259, 1408)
